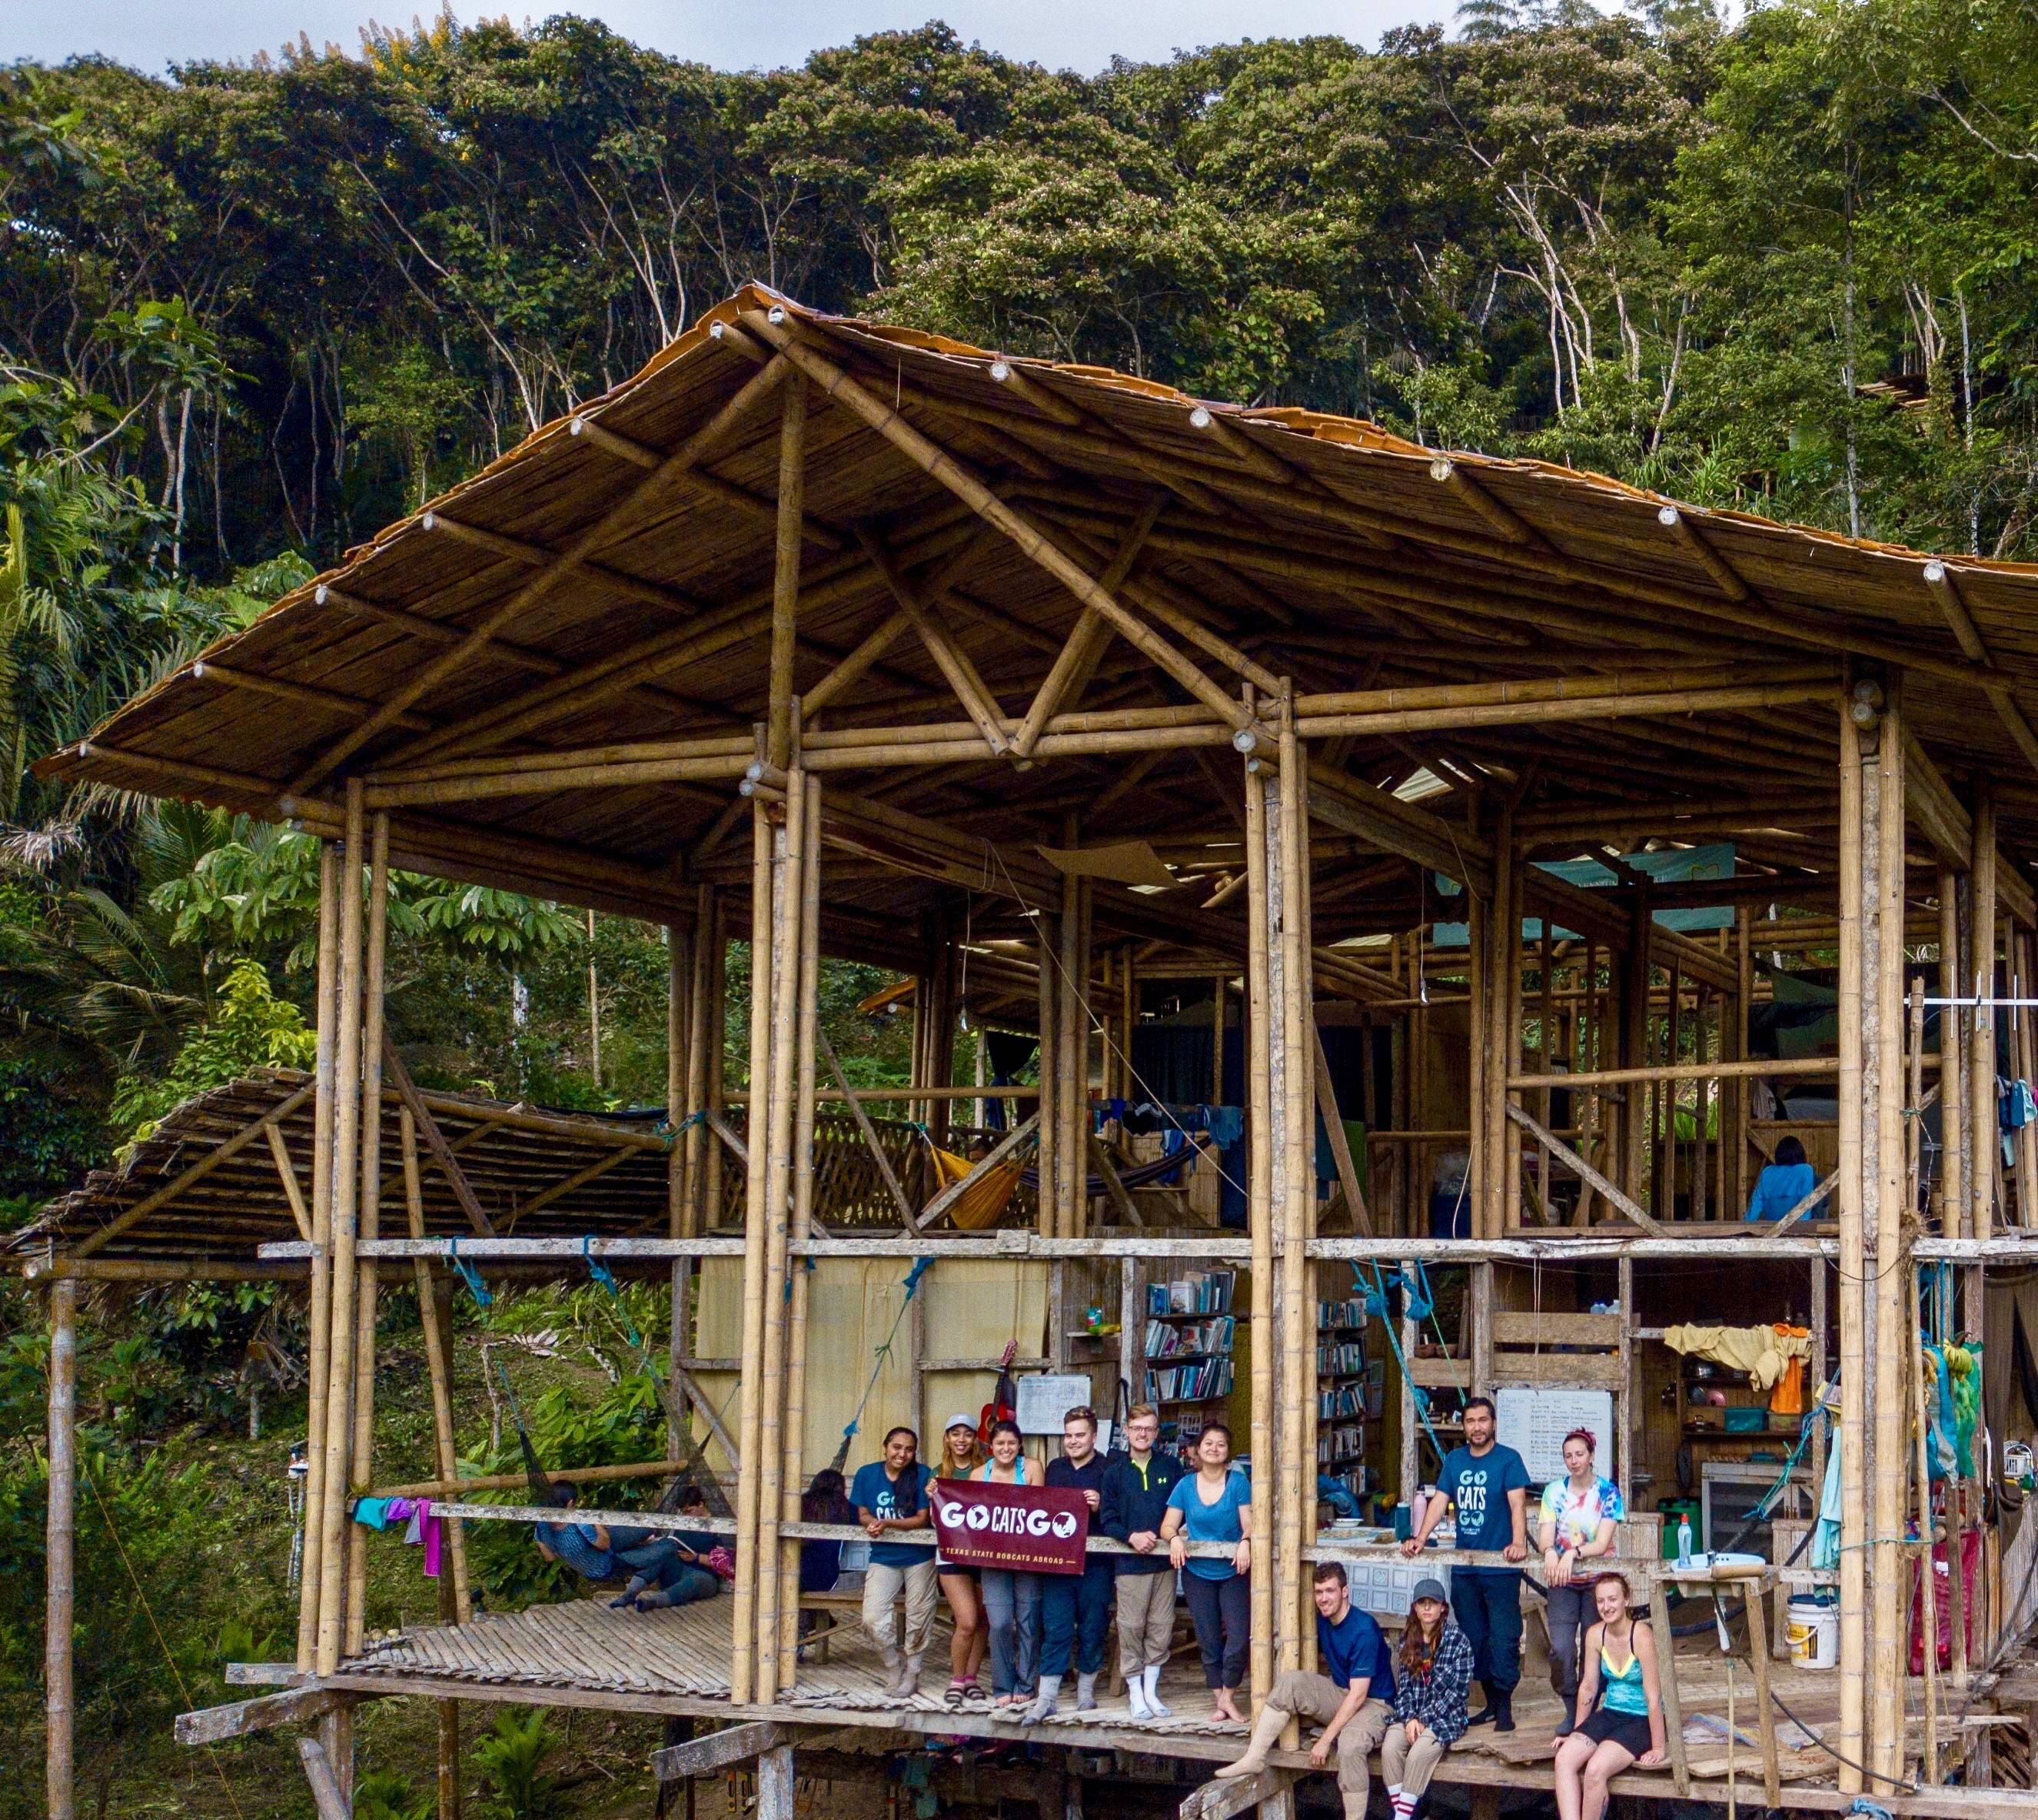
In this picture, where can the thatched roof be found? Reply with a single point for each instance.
(1320, 548)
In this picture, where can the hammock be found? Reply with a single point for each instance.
(1138, 1175)
(983, 1204)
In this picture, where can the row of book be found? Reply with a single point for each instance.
(1340, 1400)
(1209, 1292)
(1164, 1340)
(1205, 1380)
(1347, 1442)
(1345, 1358)
(1350, 1314)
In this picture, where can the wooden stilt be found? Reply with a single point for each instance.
(715, 1067)
(700, 1027)
(1928, 1602)
(1855, 844)
(345, 1206)
(1733, 1131)
(1291, 1067)
(362, 1470)
(1047, 936)
(60, 1589)
(1480, 917)
(434, 1315)
(318, 1338)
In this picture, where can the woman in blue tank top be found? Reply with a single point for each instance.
(1620, 1713)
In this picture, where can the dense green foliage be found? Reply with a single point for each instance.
(249, 314)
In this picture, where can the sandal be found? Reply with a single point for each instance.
(958, 1691)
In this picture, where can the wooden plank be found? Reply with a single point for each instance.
(332, 1804)
(1517, 1328)
(719, 1749)
(1593, 1370)
(1225, 1800)
(774, 1784)
(1666, 1675)
(215, 1724)
(1757, 1647)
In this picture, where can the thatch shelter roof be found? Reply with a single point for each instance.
(596, 604)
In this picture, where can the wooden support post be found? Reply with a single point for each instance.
(1504, 1051)
(1219, 987)
(1633, 1047)
(60, 1586)
(1261, 1146)
(743, 1647)
(1072, 1027)
(1853, 1267)
(1047, 937)
(1624, 1402)
(774, 1784)
(1756, 1601)
(1821, 1324)
(1928, 1602)
(1952, 1069)
(317, 1365)
(1479, 916)
(715, 1067)
(327, 1796)
(2026, 1069)
(361, 1473)
(786, 575)
(794, 1400)
(1985, 1151)
(346, 1207)
(1666, 1673)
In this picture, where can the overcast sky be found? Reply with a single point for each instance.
(1064, 34)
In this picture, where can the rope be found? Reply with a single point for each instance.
(184, 1692)
(468, 1274)
(603, 1275)
(912, 1280)
(1378, 1293)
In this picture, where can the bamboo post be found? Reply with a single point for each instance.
(1218, 990)
(795, 1397)
(345, 1207)
(1985, 1152)
(1048, 1173)
(679, 1022)
(788, 896)
(700, 1022)
(1674, 1703)
(1624, 1403)
(1928, 1599)
(1882, 989)
(433, 1317)
(743, 1666)
(1853, 1266)
(317, 1345)
(714, 1067)
(370, 1217)
(1633, 1047)
(1479, 920)
(1952, 1073)
(1292, 1064)
(786, 573)
(60, 1607)
(1261, 1145)
(1755, 1602)
(2027, 1070)
(593, 1008)
(1072, 1026)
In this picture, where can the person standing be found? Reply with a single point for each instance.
(1351, 1699)
(1011, 1599)
(890, 1494)
(1215, 1505)
(1575, 1526)
(1075, 1609)
(1620, 1676)
(1432, 1671)
(1488, 1485)
(962, 1585)
(1136, 1484)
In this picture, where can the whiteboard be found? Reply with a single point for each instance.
(1533, 1420)
(1046, 1396)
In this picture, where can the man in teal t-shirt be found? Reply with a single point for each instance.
(1488, 1486)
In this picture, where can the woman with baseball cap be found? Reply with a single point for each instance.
(1432, 1676)
(960, 1457)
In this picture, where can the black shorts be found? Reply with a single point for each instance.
(944, 1569)
(1628, 1730)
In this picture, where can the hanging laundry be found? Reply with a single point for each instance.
(1763, 1352)
(372, 1513)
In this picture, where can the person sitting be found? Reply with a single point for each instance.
(663, 1571)
(1782, 1184)
(1351, 1700)
(1432, 1677)
(826, 1500)
(1620, 1679)
(1576, 1527)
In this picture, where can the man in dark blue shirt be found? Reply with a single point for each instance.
(1488, 1486)
(1350, 1699)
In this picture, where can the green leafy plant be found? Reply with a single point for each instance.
(511, 1755)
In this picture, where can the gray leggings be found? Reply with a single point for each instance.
(1012, 1609)
(1571, 1614)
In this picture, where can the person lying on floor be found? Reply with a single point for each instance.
(602, 1552)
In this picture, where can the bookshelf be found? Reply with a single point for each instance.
(1191, 1349)
(1350, 1392)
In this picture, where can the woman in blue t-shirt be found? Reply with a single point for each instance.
(1215, 1506)
(1781, 1184)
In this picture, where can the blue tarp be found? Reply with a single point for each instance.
(1676, 865)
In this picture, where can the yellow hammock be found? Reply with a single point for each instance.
(980, 1205)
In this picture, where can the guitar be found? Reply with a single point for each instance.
(1004, 1404)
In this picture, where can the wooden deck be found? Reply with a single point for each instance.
(584, 1654)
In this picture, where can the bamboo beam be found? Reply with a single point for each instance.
(317, 1365)
(1983, 1183)
(1585, 1171)
(442, 1153)
(1855, 848)
(287, 1172)
(1327, 1105)
(1785, 1067)
(944, 467)
(517, 604)
(949, 658)
(1265, 1331)
(438, 1364)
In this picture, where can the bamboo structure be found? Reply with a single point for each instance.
(61, 1538)
(974, 633)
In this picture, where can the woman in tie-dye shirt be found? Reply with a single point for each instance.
(1577, 1524)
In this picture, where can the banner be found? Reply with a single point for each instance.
(1024, 1529)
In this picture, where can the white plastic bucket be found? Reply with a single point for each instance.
(1815, 1633)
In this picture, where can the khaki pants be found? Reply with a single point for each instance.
(1145, 1620)
(1318, 1697)
(881, 1585)
(1409, 1766)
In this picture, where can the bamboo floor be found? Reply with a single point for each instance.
(586, 1649)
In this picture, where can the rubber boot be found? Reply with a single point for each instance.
(1086, 1692)
(1045, 1696)
(1266, 1730)
(1151, 1679)
(1487, 1713)
(1503, 1710)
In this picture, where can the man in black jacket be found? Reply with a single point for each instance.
(1136, 1485)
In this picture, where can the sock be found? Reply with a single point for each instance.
(1135, 1695)
(1085, 1692)
(1044, 1699)
(1152, 1679)
(1404, 1806)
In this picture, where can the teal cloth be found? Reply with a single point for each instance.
(1826, 1536)
(373, 1512)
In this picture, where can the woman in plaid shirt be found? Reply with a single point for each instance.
(1432, 1677)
